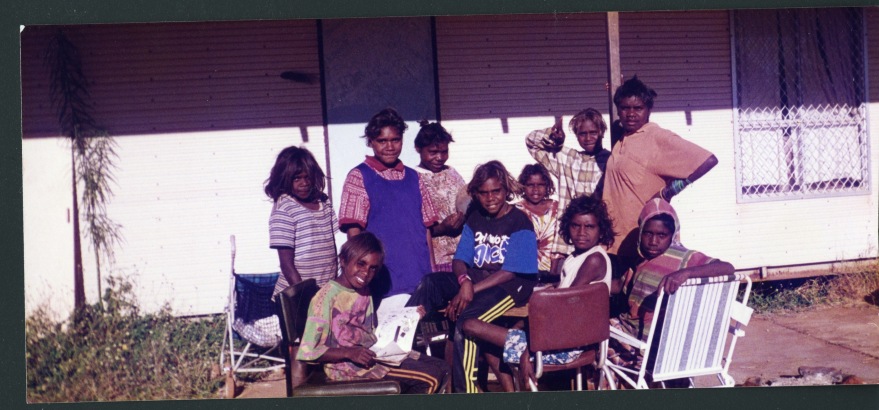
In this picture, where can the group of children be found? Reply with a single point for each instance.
(463, 249)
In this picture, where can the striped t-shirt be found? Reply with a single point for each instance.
(311, 236)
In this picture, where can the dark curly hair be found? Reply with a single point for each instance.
(492, 169)
(587, 204)
(431, 133)
(387, 117)
(633, 87)
(536, 169)
(291, 161)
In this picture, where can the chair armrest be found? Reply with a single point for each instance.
(317, 384)
(740, 313)
(352, 388)
(626, 338)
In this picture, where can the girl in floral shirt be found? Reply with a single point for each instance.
(341, 327)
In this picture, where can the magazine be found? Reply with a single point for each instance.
(395, 333)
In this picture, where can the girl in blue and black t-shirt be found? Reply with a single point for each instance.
(494, 268)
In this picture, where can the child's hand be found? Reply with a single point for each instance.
(449, 226)
(360, 355)
(554, 139)
(460, 301)
(672, 282)
(454, 221)
(421, 311)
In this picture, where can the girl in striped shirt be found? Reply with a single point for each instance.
(302, 223)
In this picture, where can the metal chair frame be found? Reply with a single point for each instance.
(248, 359)
(696, 321)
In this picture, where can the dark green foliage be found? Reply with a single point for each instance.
(113, 352)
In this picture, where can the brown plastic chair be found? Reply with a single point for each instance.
(566, 319)
(293, 307)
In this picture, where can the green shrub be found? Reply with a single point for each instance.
(111, 351)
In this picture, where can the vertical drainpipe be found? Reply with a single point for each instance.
(323, 104)
(614, 73)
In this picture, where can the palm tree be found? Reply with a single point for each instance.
(92, 154)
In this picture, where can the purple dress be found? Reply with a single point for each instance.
(395, 218)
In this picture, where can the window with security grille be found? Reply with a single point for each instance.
(800, 116)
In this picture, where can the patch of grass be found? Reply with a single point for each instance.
(114, 352)
(855, 285)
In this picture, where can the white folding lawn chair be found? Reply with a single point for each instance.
(693, 334)
(253, 331)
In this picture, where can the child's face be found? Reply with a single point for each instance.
(655, 238)
(588, 136)
(633, 114)
(434, 157)
(535, 189)
(583, 231)
(302, 186)
(357, 273)
(387, 146)
(492, 196)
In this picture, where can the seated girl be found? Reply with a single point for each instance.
(494, 269)
(537, 187)
(586, 226)
(664, 263)
(341, 326)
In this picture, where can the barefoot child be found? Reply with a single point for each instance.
(586, 226)
(341, 326)
(302, 221)
(495, 268)
(443, 184)
(544, 212)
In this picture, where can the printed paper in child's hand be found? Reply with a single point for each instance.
(394, 335)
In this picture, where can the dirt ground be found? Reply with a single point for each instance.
(774, 347)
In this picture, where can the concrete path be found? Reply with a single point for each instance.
(844, 338)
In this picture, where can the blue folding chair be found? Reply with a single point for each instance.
(253, 332)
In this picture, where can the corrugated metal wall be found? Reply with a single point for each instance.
(685, 57)
(199, 112)
(159, 78)
(871, 16)
(521, 66)
(503, 76)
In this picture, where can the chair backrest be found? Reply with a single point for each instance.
(294, 308)
(694, 328)
(568, 318)
(253, 294)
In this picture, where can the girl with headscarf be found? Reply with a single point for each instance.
(664, 263)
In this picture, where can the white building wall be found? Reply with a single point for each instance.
(500, 77)
(47, 225)
(686, 57)
(184, 186)
(199, 112)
